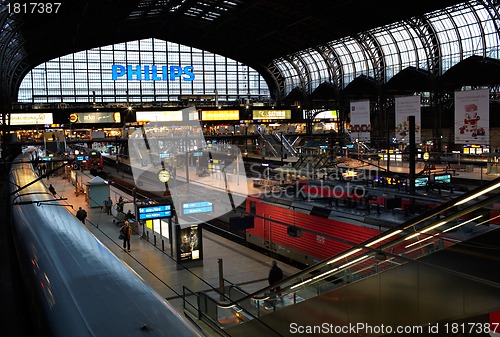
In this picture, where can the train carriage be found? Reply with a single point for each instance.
(79, 286)
(303, 235)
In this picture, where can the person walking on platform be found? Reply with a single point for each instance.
(107, 205)
(275, 275)
(52, 190)
(81, 215)
(126, 233)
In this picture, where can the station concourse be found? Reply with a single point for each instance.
(320, 93)
(242, 266)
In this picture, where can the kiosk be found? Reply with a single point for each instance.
(97, 191)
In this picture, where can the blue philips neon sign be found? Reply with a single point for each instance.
(152, 72)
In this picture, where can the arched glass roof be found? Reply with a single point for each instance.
(87, 76)
(448, 35)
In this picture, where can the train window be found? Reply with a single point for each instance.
(252, 209)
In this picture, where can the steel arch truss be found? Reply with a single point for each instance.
(434, 42)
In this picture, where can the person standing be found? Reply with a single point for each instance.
(119, 204)
(126, 233)
(107, 205)
(81, 215)
(275, 275)
(52, 190)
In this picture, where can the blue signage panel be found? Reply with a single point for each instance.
(197, 207)
(154, 212)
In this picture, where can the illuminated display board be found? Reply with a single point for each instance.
(220, 115)
(159, 116)
(442, 178)
(189, 243)
(421, 181)
(31, 119)
(189, 208)
(154, 211)
(329, 114)
(272, 114)
(95, 117)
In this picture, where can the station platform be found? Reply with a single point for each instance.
(241, 266)
(470, 173)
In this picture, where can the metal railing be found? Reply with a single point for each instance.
(457, 220)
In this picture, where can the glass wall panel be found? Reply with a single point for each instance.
(72, 78)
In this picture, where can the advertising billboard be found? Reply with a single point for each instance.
(220, 115)
(328, 114)
(272, 114)
(95, 117)
(407, 106)
(158, 116)
(31, 118)
(189, 243)
(360, 120)
(472, 117)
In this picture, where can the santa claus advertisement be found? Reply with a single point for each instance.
(472, 117)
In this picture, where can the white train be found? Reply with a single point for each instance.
(79, 287)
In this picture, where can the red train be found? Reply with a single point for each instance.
(94, 160)
(309, 232)
(303, 235)
(91, 159)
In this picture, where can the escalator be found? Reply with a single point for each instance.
(284, 143)
(439, 267)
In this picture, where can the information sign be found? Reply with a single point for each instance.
(189, 208)
(154, 211)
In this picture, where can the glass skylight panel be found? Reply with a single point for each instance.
(289, 73)
(398, 49)
(312, 67)
(285, 67)
(359, 58)
(92, 69)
